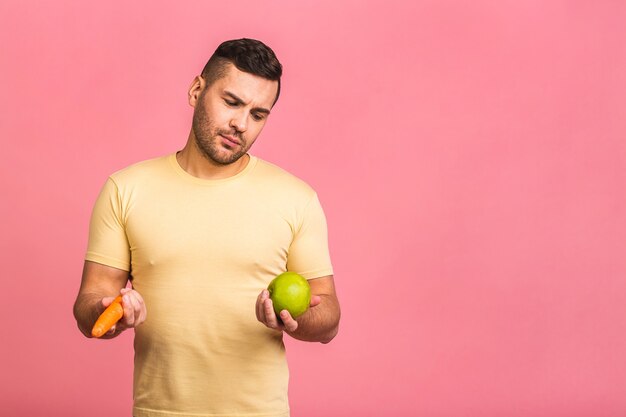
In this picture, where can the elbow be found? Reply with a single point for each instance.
(86, 334)
(330, 336)
(333, 332)
(85, 330)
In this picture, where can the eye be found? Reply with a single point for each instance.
(230, 103)
(257, 117)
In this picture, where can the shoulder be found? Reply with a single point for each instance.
(141, 171)
(292, 197)
(283, 187)
(278, 180)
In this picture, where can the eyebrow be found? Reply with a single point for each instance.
(240, 101)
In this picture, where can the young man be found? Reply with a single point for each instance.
(200, 233)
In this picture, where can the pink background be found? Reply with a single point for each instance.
(470, 156)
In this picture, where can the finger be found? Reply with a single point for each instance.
(111, 330)
(143, 309)
(106, 301)
(141, 313)
(315, 300)
(129, 312)
(136, 308)
(265, 295)
(270, 316)
(290, 324)
(139, 297)
(259, 307)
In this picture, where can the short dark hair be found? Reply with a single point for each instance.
(248, 55)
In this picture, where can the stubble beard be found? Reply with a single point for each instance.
(208, 140)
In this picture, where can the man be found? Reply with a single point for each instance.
(200, 234)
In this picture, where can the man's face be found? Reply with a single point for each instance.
(230, 113)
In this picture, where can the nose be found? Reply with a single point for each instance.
(239, 122)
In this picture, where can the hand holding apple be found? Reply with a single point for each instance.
(289, 296)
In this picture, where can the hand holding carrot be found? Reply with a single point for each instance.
(133, 308)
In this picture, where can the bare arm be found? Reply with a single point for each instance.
(320, 323)
(100, 284)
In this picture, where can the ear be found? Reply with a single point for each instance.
(195, 89)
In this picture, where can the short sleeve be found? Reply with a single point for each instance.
(308, 254)
(108, 243)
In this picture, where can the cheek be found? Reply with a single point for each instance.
(254, 130)
(217, 116)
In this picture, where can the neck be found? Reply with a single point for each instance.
(194, 163)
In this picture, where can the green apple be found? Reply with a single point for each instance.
(290, 291)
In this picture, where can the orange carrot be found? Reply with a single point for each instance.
(108, 318)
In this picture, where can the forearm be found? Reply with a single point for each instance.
(87, 309)
(319, 323)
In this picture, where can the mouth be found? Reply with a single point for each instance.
(230, 140)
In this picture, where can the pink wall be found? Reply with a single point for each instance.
(470, 157)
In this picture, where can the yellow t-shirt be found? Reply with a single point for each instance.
(200, 252)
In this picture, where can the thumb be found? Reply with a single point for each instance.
(106, 301)
(315, 300)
